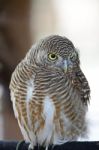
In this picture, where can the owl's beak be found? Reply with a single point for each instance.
(65, 66)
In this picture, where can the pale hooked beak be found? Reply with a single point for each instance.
(65, 66)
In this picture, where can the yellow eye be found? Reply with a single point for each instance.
(52, 56)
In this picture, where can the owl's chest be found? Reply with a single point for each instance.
(56, 89)
(46, 108)
(50, 85)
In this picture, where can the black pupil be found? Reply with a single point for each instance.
(53, 56)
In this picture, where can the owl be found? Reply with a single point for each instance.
(50, 93)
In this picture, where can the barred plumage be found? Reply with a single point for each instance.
(50, 93)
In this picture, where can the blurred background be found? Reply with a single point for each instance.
(23, 22)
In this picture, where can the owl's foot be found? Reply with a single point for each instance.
(31, 147)
(46, 148)
(19, 145)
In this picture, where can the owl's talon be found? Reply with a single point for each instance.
(30, 147)
(19, 144)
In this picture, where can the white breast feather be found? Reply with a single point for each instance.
(48, 114)
(29, 96)
(30, 89)
(14, 107)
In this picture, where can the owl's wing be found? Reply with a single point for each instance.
(81, 84)
(20, 87)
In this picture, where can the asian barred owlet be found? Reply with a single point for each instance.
(50, 93)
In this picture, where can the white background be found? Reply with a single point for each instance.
(79, 21)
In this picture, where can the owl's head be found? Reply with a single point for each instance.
(55, 52)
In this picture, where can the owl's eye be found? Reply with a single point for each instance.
(52, 56)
